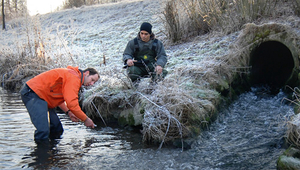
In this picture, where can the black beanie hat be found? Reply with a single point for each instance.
(146, 27)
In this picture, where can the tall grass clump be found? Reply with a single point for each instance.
(172, 21)
(196, 17)
(182, 23)
(24, 58)
(32, 52)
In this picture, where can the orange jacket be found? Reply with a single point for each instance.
(59, 85)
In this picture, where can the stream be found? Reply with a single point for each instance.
(248, 134)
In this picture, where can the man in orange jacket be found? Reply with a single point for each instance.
(56, 87)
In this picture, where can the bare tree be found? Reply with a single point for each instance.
(3, 16)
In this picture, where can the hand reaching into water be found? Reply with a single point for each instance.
(89, 123)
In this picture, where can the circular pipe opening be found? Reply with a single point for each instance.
(272, 64)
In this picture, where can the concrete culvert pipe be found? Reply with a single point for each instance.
(270, 52)
(272, 64)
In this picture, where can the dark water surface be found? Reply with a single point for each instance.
(247, 135)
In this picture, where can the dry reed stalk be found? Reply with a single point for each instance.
(293, 132)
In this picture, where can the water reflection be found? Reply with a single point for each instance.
(14, 125)
(42, 156)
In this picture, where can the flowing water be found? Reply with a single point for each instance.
(247, 135)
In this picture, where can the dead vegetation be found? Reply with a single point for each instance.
(185, 19)
(19, 63)
(293, 133)
(29, 57)
(293, 124)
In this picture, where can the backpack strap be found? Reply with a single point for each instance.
(154, 44)
(81, 75)
(136, 45)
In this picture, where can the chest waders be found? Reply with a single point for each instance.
(145, 66)
(45, 120)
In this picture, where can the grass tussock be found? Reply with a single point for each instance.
(171, 112)
(293, 125)
(293, 132)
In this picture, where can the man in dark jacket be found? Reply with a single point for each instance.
(145, 56)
